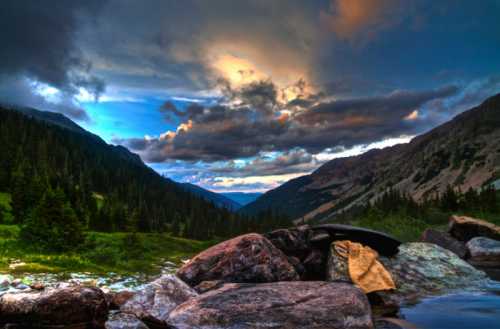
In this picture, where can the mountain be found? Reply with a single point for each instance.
(243, 198)
(463, 153)
(217, 198)
(109, 187)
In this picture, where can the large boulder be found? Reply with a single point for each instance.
(154, 302)
(247, 258)
(444, 240)
(419, 269)
(311, 304)
(465, 228)
(484, 252)
(73, 306)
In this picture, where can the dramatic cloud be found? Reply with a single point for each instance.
(39, 44)
(252, 120)
(187, 47)
(229, 92)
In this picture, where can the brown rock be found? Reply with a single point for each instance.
(37, 286)
(247, 258)
(155, 301)
(465, 228)
(75, 305)
(306, 305)
(444, 240)
(117, 299)
(208, 285)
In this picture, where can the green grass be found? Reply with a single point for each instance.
(101, 253)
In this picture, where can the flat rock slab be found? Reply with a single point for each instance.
(484, 252)
(154, 302)
(306, 305)
(420, 269)
(383, 243)
(444, 240)
(465, 228)
(247, 258)
(71, 306)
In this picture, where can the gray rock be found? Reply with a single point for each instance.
(484, 252)
(298, 304)
(444, 240)
(155, 301)
(418, 270)
(247, 258)
(124, 321)
(54, 307)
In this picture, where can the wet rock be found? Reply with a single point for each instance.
(118, 299)
(155, 301)
(484, 252)
(247, 258)
(124, 321)
(208, 285)
(419, 269)
(465, 228)
(306, 305)
(70, 306)
(444, 240)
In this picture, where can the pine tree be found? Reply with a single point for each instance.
(53, 224)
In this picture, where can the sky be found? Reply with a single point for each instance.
(245, 95)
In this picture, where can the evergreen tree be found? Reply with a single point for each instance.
(53, 224)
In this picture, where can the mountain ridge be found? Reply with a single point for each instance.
(461, 152)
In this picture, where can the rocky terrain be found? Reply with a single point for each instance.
(463, 153)
(289, 278)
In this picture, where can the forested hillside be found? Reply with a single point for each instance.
(108, 188)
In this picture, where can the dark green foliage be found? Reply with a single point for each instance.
(399, 215)
(37, 155)
(53, 225)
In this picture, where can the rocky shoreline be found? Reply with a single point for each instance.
(289, 278)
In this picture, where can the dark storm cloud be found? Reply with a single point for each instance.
(228, 131)
(38, 41)
(38, 46)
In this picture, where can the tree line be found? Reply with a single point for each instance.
(60, 178)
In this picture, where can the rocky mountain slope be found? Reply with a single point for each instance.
(463, 153)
